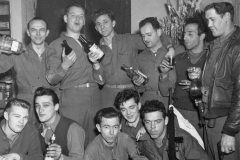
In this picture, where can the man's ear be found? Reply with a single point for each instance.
(56, 107)
(159, 32)
(139, 105)
(166, 120)
(65, 18)
(98, 127)
(28, 33)
(202, 36)
(114, 23)
(120, 127)
(5, 114)
(48, 31)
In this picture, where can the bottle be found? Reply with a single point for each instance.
(67, 48)
(90, 46)
(134, 73)
(10, 45)
(51, 142)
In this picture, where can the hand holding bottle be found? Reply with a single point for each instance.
(138, 80)
(54, 151)
(68, 60)
(165, 67)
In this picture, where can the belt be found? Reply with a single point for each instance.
(27, 90)
(119, 86)
(86, 85)
(153, 92)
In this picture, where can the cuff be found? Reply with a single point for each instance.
(229, 131)
(163, 79)
(62, 72)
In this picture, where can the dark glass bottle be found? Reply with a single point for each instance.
(90, 46)
(67, 48)
(134, 73)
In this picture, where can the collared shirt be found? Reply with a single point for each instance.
(26, 144)
(189, 149)
(124, 147)
(125, 48)
(130, 130)
(148, 63)
(75, 139)
(81, 72)
(30, 70)
(211, 62)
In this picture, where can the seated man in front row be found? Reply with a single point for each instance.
(69, 136)
(111, 143)
(155, 147)
(19, 140)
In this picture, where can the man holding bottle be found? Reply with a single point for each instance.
(154, 64)
(80, 94)
(61, 138)
(30, 66)
(221, 82)
(119, 49)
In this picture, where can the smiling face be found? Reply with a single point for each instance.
(104, 25)
(155, 124)
(217, 23)
(109, 129)
(130, 111)
(45, 109)
(16, 119)
(37, 31)
(75, 19)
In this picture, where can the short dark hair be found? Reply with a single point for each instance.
(202, 27)
(126, 95)
(17, 102)
(153, 106)
(74, 4)
(37, 19)
(99, 12)
(42, 91)
(221, 8)
(152, 20)
(109, 112)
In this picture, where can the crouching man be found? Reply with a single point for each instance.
(111, 143)
(19, 140)
(154, 144)
(68, 135)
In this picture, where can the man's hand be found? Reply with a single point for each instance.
(227, 143)
(140, 133)
(165, 67)
(194, 72)
(185, 83)
(93, 57)
(55, 151)
(138, 81)
(68, 60)
(11, 156)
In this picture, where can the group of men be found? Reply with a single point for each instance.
(45, 73)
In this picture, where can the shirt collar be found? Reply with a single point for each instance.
(105, 146)
(53, 125)
(223, 39)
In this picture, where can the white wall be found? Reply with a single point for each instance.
(21, 12)
(141, 9)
